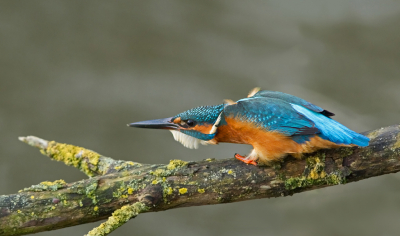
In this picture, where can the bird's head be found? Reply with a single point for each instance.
(191, 127)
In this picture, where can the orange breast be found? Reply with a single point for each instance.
(269, 144)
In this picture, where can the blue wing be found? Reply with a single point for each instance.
(272, 114)
(293, 119)
(333, 130)
(293, 100)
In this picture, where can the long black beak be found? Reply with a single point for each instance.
(155, 124)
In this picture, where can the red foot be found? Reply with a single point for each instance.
(245, 160)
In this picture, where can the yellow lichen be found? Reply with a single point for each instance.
(19, 211)
(55, 185)
(130, 190)
(90, 191)
(169, 191)
(397, 143)
(173, 164)
(125, 165)
(124, 196)
(33, 213)
(230, 172)
(164, 179)
(78, 157)
(96, 208)
(316, 175)
(313, 174)
(158, 172)
(201, 190)
(118, 218)
(183, 190)
(53, 207)
(119, 191)
(32, 197)
(154, 182)
(46, 186)
(57, 182)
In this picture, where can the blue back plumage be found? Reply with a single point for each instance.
(293, 100)
(272, 114)
(293, 116)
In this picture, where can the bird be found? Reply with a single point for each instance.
(276, 124)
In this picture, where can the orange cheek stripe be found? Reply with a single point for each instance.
(177, 120)
(205, 129)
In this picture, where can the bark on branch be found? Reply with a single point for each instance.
(128, 188)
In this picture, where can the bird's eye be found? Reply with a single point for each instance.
(190, 123)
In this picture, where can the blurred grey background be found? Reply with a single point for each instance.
(79, 71)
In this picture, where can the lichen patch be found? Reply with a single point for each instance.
(396, 145)
(314, 174)
(118, 218)
(46, 186)
(173, 164)
(81, 158)
(182, 191)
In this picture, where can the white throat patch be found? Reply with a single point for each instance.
(186, 140)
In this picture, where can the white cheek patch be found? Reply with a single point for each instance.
(186, 140)
(214, 128)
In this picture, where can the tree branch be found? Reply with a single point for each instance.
(147, 188)
(88, 161)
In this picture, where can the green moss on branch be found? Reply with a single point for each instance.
(314, 174)
(118, 218)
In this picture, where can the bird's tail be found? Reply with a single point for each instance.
(333, 130)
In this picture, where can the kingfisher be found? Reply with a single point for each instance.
(276, 124)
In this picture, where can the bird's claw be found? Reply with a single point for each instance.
(245, 159)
